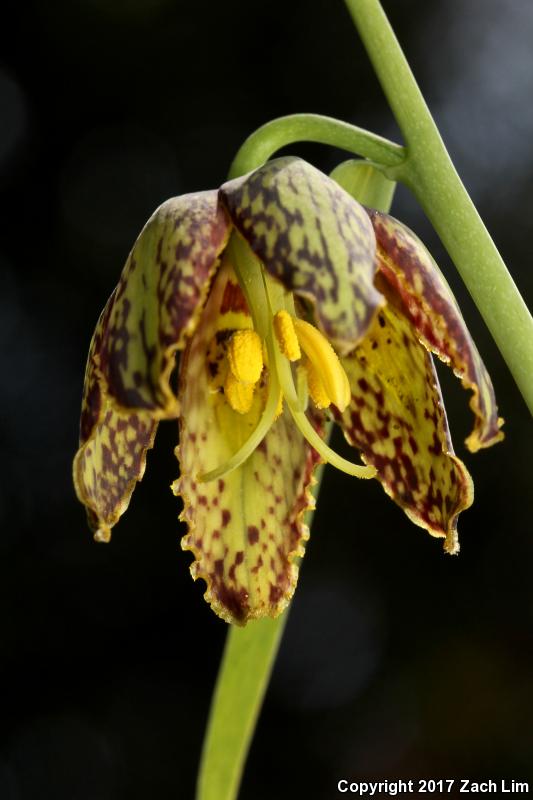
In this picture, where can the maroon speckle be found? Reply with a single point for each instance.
(226, 516)
(236, 601)
(258, 565)
(275, 594)
(253, 534)
(219, 566)
(221, 485)
(436, 447)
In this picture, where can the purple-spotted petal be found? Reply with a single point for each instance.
(160, 295)
(397, 420)
(314, 238)
(149, 316)
(423, 296)
(245, 529)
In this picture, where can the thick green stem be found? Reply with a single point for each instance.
(278, 133)
(429, 172)
(241, 684)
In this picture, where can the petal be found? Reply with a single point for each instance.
(246, 528)
(112, 455)
(314, 238)
(156, 304)
(426, 300)
(397, 420)
(147, 318)
(108, 466)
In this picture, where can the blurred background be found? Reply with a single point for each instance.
(398, 661)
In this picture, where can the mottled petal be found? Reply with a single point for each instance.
(423, 295)
(246, 528)
(147, 318)
(108, 466)
(397, 420)
(314, 238)
(160, 295)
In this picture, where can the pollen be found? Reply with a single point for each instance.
(286, 336)
(245, 357)
(239, 395)
(316, 388)
(326, 364)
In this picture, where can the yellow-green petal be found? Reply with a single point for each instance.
(423, 296)
(148, 317)
(312, 237)
(246, 528)
(397, 420)
(160, 295)
(109, 465)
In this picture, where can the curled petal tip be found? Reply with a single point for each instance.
(102, 535)
(451, 543)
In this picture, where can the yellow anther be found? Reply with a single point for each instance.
(239, 395)
(286, 335)
(316, 388)
(326, 364)
(245, 356)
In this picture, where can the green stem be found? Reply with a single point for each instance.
(278, 133)
(430, 174)
(249, 655)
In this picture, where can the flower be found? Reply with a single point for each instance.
(278, 287)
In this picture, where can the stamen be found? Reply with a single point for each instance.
(316, 387)
(286, 335)
(239, 395)
(304, 426)
(245, 356)
(302, 388)
(293, 399)
(326, 362)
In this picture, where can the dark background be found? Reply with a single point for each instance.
(398, 661)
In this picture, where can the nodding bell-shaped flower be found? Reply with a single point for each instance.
(292, 304)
